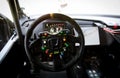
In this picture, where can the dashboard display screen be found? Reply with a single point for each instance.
(91, 35)
(54, 27)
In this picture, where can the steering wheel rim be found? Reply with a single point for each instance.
(60, 17)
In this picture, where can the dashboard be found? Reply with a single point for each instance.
(93, 32)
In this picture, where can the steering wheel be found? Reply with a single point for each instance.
(55, 52)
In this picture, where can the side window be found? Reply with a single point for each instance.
(6, 30)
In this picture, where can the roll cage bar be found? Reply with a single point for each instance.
(17, 14)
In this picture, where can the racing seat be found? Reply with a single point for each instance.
(2, 33)
(6, 30)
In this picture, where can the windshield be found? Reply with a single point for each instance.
(33, 7)
(104, 7)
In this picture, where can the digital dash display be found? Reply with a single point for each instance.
(54, 27)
